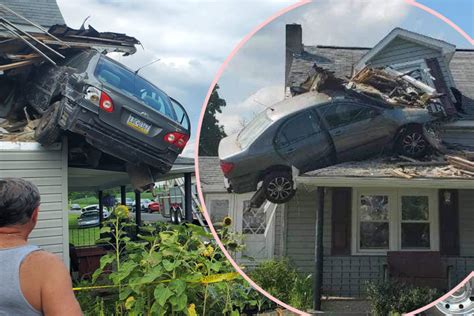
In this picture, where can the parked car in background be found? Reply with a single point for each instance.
(314, 130)
(75, 207)
(144, 205)
(88, 219)
(129, 202)
(95, 208)
(114, 109)
(153, 207)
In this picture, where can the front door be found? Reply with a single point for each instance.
(257, 227)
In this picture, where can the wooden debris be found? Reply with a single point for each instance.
(401, 174)
(461, 163)
(18, 64)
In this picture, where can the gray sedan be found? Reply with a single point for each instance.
(88, 219)
(314, 130)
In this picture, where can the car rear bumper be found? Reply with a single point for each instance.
(243, 184)
(104, 137)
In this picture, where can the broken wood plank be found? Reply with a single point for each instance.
(18, 64)
(423, 164)
(401, 174)
(407, 158)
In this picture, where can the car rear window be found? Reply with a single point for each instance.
(254, 129)
(132, 85)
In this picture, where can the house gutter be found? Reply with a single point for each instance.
(342, 181)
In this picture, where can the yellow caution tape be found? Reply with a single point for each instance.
(214, 278)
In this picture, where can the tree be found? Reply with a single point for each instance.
(211, 131)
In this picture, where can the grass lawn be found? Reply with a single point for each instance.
(90, 200)
(81, 236)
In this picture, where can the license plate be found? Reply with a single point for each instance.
(138, 125)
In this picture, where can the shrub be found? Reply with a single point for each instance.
(392, 298)
(281, 280)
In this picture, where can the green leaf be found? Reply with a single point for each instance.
(162, 294)
(105, 260)
(105, 229)
(235, 313)
(216, 266)
(168, 265)
(177, 286)
(150, 239)
(151, 276)
(179, 302)
(124, 293)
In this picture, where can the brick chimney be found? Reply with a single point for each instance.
(294, 45)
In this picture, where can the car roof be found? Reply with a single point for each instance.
(296, 104)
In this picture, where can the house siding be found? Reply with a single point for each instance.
(300, 228)
(46, 168)
(402, 51)
(466, 221)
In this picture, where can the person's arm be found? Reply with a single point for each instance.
(57, 297)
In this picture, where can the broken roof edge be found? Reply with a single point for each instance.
(446, 48)
(393, 182)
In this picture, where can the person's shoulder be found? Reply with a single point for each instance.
(45, 261)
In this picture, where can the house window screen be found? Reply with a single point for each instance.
(415, 225)
(218, 210)
(374, 222)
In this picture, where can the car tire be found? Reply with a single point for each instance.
(278, 186)
(48, 131)
(173, 215)
(179, 218)
(412, 143)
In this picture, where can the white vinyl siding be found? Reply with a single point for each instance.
(46, 168)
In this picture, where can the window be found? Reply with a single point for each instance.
(416, 69)
(394, 220)
(374, 222)
(254, 129)
(297, 128)
(415, 224)
(253, 220)
(341, 114)
(218, 209)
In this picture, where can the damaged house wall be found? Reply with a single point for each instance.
(43, 12)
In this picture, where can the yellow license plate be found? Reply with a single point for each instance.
(138, 125)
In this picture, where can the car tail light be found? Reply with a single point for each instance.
(106, 103)
(226, 167)
(177, 139)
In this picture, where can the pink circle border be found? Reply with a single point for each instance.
(196, 149)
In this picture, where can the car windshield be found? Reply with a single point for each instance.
(254, 129)
(134, 86)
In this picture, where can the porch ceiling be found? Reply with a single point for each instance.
(81, 179)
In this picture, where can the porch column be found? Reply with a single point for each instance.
(318, 252)
(101, 207)
(188, 203)
(138, 209)
(123, 195)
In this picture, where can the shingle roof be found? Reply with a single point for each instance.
(342, 59)
(210, 174)
(43, 12)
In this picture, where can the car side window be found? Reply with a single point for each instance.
(297, 128)
(345, 113)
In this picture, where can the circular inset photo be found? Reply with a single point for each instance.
(337, 147)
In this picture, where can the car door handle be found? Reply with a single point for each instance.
(338, 132)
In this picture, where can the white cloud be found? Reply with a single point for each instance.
(240, 114)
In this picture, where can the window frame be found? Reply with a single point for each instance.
(395, 219)
(350, 102)
(311, 115)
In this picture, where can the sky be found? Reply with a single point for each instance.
(193, 38)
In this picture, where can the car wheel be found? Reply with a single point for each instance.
(47, 132)
(412, 143)
(173, 215)
(179, 217)
(278, 186)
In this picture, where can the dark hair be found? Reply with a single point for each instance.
(18, 200)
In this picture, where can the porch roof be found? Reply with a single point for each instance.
(382, 172)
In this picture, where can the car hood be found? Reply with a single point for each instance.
(228, 147)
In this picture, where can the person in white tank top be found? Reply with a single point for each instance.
(32, 281)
